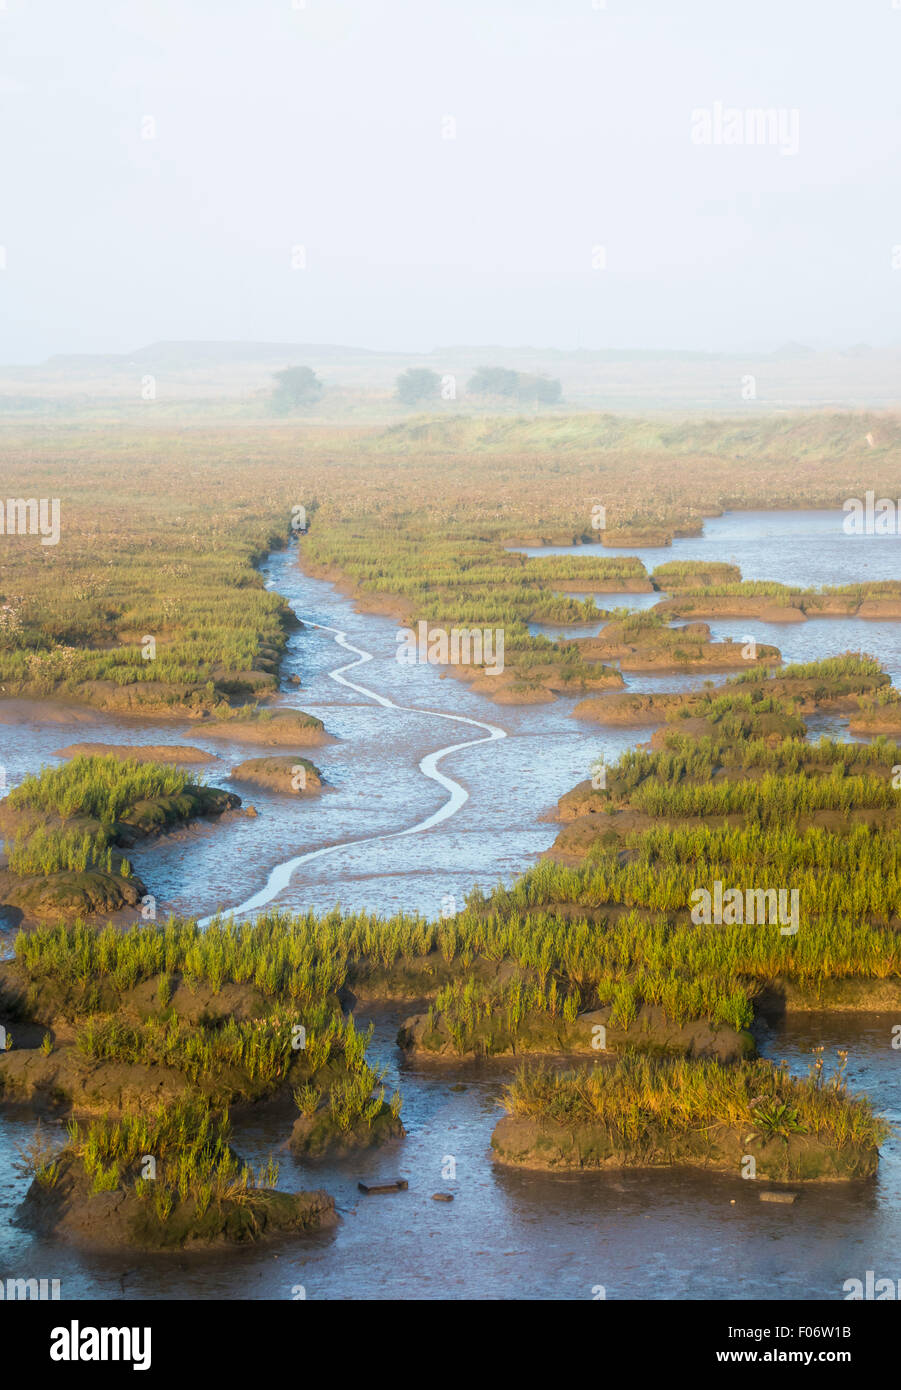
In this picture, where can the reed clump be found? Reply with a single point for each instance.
(639, 1100)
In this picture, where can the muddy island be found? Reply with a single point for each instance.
(66, 830)
(164, 1181)
(139, 752)
(289, 774)
(269, 727)
(751, 1120)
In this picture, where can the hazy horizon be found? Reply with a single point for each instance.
(576, 175)
(220, 347)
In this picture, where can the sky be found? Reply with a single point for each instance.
(406, 174)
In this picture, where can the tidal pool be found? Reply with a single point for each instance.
(671, 1234)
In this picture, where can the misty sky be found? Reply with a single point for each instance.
(322, 127)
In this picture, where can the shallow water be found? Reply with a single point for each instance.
(809, 549)
(373, 770)
(673, 1234)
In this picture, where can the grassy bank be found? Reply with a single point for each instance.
(66, 828)
(646, 1113)
(164, 1180)
(415, 517)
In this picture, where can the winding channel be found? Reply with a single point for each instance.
(281, 875)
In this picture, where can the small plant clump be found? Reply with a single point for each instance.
(645, 1110)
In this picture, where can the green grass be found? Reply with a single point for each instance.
(637, 1099)
(770, 801)
(102, 787)
(46, 851)
(421, 510)
(190, 1144)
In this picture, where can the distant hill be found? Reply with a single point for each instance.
(190, 356)
(219, 381)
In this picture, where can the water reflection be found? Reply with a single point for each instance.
(675, 1234)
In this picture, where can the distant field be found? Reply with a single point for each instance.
(160, 531)
(212, 382)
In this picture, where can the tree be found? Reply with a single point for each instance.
(417, 384)
(492, 381)
(517, 386)
(546, 389)
(295, 387)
